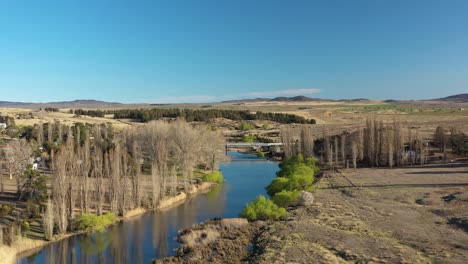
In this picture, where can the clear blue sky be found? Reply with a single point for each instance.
(167, 51)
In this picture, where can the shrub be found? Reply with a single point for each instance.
(262, 209)
(277, 185)
(92, 222)
(25, 227)
(289, 165)
(249, 138)
(5, 209)
(32, 209)
(246, 126)
(296, 174)
(261, 154)
(215, 176)
(286, 198)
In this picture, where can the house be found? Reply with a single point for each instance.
(3, 125)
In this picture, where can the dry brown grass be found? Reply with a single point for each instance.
(199, 237)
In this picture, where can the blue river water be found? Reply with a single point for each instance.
(153, 235)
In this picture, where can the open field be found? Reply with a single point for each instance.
(337, 116)
(393, 216)
(406, 215)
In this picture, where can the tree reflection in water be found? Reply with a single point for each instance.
(152, 235)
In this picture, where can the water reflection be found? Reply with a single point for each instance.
(153, 235)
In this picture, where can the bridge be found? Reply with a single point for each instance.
(250, 145)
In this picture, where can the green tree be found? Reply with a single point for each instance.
(33, 186)
(457, 142)
(439, 139)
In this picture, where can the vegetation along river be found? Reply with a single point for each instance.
(153, 234)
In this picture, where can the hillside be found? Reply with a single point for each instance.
(62, 104)
(455, 98)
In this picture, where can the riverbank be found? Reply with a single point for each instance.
(26, 246)
(403, 215)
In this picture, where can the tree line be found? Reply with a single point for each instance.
(196, 115)
(377, 144)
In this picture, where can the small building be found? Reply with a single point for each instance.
(3, 125)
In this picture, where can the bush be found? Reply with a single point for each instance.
(215, 176)
(92, 222)
(32, 210)
(249, 138)
(290, 164)
(244, 126)
(286, 198)
(277, 185)
(261, 154)
(262, 209)
(5, 209)
(296, 174)
(25, 227)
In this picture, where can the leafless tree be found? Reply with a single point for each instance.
(287, 140)
(59, 193)
(40, 134)
(48, 220)
(307, 141)
(343, 149)
(19, 155)
(50, 132)
(390, 146)
(354, 152)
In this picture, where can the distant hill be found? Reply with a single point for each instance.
(64, 104)
(455, 98)
(299, 98)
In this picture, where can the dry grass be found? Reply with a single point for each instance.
(234, 222)
(199, 237)
(8, 254)
(135, 212)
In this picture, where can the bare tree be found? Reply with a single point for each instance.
(48, 220)
(50, 133)
(287, 140)
(327, 148)
(60, 195)
(360, 144)
(335, 141)
(40, 134)
(18, 154)
(114, 179)
(343, 149)
(354, 152)
(307, 141)
(390, 147)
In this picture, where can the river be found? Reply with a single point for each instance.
(153, 234)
